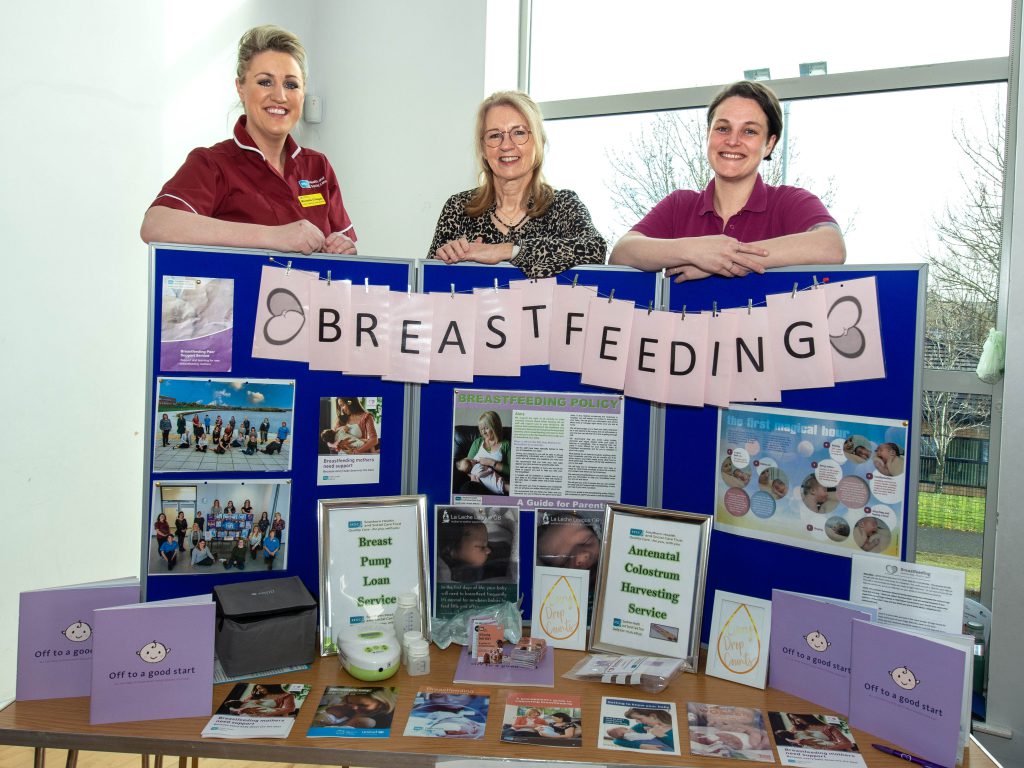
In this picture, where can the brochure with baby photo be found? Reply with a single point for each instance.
(55, 636)
(152, 660)
(477, 561)
(913, 689)
(257, 711)
(196, 322)
(547, 720)
(448, 713)
(633, 724)
(354, 713)
(738, 733)
(809, 651)
(814, 741)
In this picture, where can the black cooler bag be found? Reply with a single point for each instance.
(264, 625)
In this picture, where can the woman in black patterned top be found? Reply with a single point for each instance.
(514, 215)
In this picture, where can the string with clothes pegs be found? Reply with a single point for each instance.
(408, 290)
(795, 286)
(682, 316)
(750, 306)
(611, 296)
(288, 268)
(366, 285)
(453, 290)
(575, 279)
(496, 284)
(650, 305)
(714, 309)
(328, 277)
(815, 282)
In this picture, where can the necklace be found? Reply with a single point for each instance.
(509, 224)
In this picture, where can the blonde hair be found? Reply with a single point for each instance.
(541, 195)
(269, 38)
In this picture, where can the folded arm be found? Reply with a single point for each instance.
(170, 225)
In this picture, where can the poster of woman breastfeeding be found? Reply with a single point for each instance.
(820, 481)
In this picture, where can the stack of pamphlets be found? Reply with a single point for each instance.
(527, 653)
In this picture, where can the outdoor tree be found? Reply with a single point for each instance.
(670, 154)
(963, 288)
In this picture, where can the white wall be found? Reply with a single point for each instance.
(110, 98)
(401, 81)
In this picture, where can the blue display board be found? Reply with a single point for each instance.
(434, 455)
(301, 537)
(751, 566)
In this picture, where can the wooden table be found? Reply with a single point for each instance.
(64, 724)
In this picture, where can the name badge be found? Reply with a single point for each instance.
(311, 201)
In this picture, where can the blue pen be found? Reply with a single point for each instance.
(905, 756)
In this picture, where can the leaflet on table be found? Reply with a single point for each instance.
(448, 713)
(55, 636)
(544, 720)
(257, 711)
(910, 595)
(820, 481)
(152, 660)
(809, 654)
(913, 689)
(547, 449)
(355, 713)
(814, 741)
(740, 638)
(633, 724)
(626, 670)
(738, 733)
(477, 557)
(348, 450)
(375, 552)
(196, 321)
(649, 585)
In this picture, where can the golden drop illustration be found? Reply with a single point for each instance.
(560, 611)
(739, 642)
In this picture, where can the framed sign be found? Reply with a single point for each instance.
(650, 591)
(371, 551)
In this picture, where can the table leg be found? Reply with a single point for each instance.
(39, 758)
(72, 758)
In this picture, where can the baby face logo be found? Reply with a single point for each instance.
(153, 653)
(287, 318)
(78, 632)
(850, 341)
(817, 641)
(904, 678)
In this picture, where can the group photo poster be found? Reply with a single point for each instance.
(208, 527)
(348, 450)
(223, 425)
(196, 324)
(476, 557)
(371, 551)
(820, 481)
(537, 449)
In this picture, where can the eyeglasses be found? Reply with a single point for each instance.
(518, 135)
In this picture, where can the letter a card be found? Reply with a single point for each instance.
(738, 644)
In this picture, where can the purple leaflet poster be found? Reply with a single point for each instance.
(908, 689)
(55, 637)
(153, 661)
(552, 450)
(196, 323)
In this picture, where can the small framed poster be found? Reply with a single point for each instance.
(650, 591)
(738, 646)
(371, 551)
(560, 607)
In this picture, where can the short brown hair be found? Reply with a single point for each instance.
(269, 38)
(758, 92)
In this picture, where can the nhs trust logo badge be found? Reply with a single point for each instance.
(304, 184)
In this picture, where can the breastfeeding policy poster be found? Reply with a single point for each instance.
(554, 450)
(820, 481)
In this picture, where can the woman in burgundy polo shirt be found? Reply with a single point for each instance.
(738, 224)
(258, 189)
